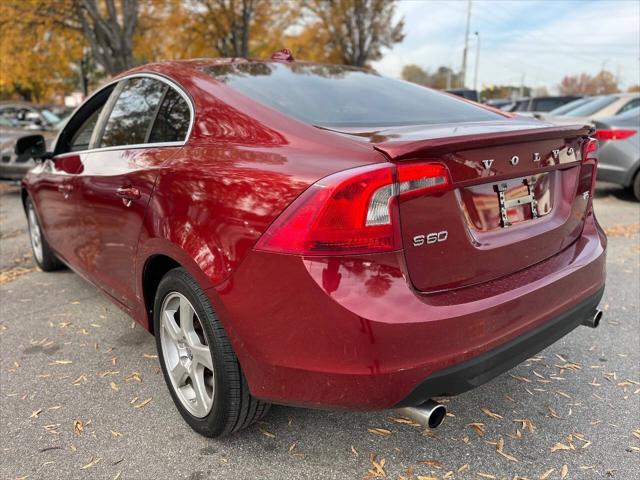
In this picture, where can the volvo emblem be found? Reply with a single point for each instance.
(487, 163)
(514, 160)
(536, 157)
(556, 153)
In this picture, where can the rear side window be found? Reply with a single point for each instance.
(547, 104)
(597, 104)
(133, 112)
(336, 95)
(172, 121)
(82, 137)
(635, 103)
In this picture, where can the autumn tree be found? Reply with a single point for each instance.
(108, 31)
(442, 78)
(584, 84)
(352, 32)
(415, 74)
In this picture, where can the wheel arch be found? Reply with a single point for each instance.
(159, 257)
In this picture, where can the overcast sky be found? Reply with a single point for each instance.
(542, 39)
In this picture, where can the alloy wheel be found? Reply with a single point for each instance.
(186, 354)
(35, 235)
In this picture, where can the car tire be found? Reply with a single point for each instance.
(188, 374)
(42, 253)
(636, 186)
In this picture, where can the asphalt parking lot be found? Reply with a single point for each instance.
(82, 395)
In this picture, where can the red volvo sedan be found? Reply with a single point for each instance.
(319, 235)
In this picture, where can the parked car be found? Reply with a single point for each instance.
(319, 235)
(29, 116)
(15, 167)
(619, 157)
(467, 93)
(597, 107)
(498, 102)
(535, 105)
(567, 107)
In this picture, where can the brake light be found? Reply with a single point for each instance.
(604, 135)
(589, 167)
(351, 212)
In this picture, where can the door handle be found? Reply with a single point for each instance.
(128, 195)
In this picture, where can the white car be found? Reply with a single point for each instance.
(598, 107)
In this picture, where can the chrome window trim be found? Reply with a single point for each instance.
(167, 81)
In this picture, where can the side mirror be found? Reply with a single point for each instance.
(31, 146)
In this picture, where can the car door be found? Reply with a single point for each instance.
(118, 176)
(54, 192)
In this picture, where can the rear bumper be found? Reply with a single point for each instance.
(351, 333)
(483, 368)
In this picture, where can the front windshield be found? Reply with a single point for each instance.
(592, 107)
(50, 117)
(570, 106)
(336, 95)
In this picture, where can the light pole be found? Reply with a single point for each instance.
(475, 76)
(466, 46)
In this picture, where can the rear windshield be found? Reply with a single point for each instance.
(591, 107)
(334, 95)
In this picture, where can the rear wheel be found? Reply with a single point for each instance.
(636, 186)
(199, 366)
(44, 257)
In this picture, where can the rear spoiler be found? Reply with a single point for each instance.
(403, 150)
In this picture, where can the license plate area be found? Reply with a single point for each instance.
(494, 206)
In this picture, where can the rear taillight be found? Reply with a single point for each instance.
(352, 212)
(589, 167)
(604, 135)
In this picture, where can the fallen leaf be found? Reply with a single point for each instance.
(559, 446)
(149, 356)
(143, 403)
(526, 424)
(500, 450)
(353, 449)
(383, 432)
(116, 434)
(486, 475)
(36, 413)
(378, 467)
(564, 472)
(489, 413)
(266, 433)
(133, 376)
(432, 463)
(78, 426)
(60, 362)
(91, 463)
(114, 386)
(478, 427)
(546, 474)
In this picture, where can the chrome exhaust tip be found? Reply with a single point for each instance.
(594, 320)
(430, 414)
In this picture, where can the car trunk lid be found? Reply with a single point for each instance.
(517, 197)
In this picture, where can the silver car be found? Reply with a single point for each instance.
(12, 166)
(594, 109)
(619, 156)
